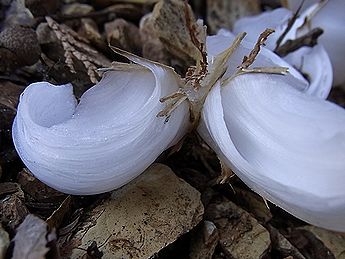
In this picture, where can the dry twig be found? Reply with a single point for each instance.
(308, 40)
(289, 26)
(248, 60)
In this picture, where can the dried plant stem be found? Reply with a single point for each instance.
(307, 40)
(289, 26)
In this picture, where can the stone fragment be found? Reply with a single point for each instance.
(123, 34)
(254, 204)
(204, 242)
(241, 236)
(18, 47)
(308, 244)
(142, 217)
(76, 8)
(4, 242)
(32, 239)
(282, 246)
(334, 241)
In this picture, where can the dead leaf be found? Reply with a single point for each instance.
(38, 191)
(172, 22)
(226, 172)
(76, 8)
(32, 238)
(56, 218)
(13, 210)
(8, 188)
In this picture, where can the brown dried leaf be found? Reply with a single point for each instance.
(13, 210)
(76, 9)
(32, 238)
(308, 244)
(9, 94)
(56, 218)
(177, 29)
(8, 187)
(152, 47)
(89, 30)
(76, 47)
(226, 172)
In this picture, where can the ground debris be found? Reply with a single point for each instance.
(172, 22)
(4, 242)
(308, 244)
(282, 246)
(334, 241)
(124, 35)
(241, 236)
(141, 218)
(204, 241)
(224, 13)
(32, 238)
(18, 47)
(13, 209)
(76, 47)
(254, 204)
(76, 8)
(36, 190)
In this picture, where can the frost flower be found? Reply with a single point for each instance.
(107, 139)
(286, 145)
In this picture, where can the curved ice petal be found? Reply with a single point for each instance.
(285, 145)
(315, 64)
(105, 141)
(331, 19)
